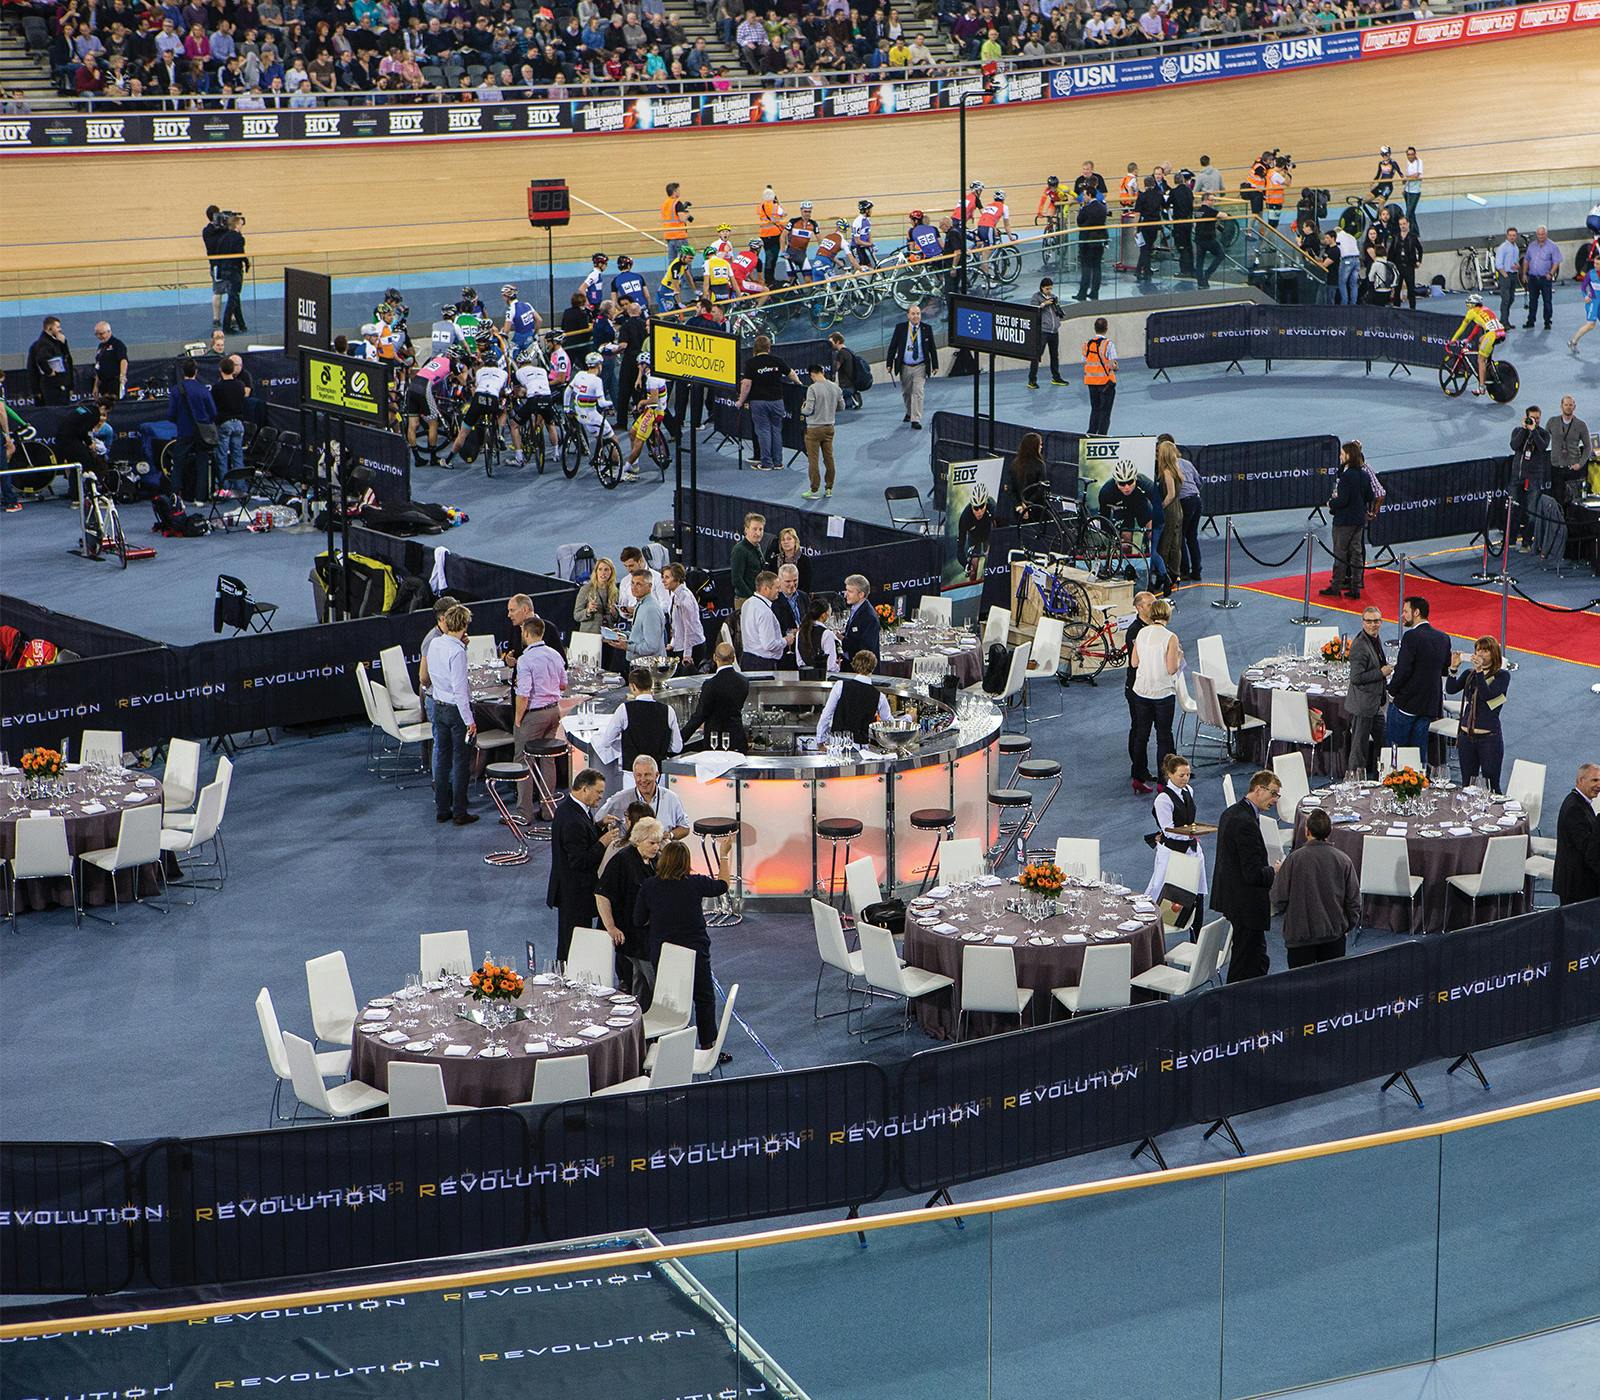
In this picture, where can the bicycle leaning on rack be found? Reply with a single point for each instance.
(1088, 633)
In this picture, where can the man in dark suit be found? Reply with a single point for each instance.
(913, 359)
(790, 608)
(719, 710)
(576, 847)
(861, 629)
(1241, 882)
(1416, 680)
(1577, 874)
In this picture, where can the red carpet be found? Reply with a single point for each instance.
(1462, 611)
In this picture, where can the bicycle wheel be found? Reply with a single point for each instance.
(118, 542)
(608, 462)
(1453, 375)
(533, 443)
(1503, 381)
(1085, 650)
(572, 446)
(1471, 279)
(93, 539)
(862, 302)
(824, 310)
(906, 290)
(659, 452)
(491, 450)
(1007, 263)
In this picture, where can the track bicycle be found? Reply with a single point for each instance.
(1457, 371)
(834, 298)
(914, 284)
(604, 455)
(1065, 527)
(102, 526)
(1056, 245)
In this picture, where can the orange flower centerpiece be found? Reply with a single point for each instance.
(887, 617)
(492, 983)
(1336, 650)
(42, 763)
(1042, 877)
(1405, 783)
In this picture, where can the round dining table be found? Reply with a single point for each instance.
(1450, 839)
(92, 803)
(559, 1017)
(494, 705)
(1049, 952)
(899, 650)
(1325, 684)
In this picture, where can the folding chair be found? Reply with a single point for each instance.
(906, 511)
(235, 608)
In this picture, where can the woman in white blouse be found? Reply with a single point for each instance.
(1157, 659)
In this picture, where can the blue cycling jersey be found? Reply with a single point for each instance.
(629, 284)
(924, 238)
(524, 320)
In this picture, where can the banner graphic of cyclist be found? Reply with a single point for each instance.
(969, 519)
(1099, 457)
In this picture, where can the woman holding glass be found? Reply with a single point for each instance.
(596, 605)
(1482, 684)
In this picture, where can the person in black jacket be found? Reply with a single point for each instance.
(1352, 495)
(1091, 246)
(1416, 680)
(576, 846)
(1181, 205)
(1406, 254)
(913, 359)
(1530, 472)
(50, 364)
(862, 630)
(669, 909)
(1241, 881)
(1150, 209)
(229, 270)
(719, 710)
(209, 236)
(1577, 875)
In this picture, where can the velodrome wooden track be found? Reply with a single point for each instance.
(1517, 105)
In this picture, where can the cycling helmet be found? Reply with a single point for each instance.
(916, 216)
(980, 496)
(592, 360)
(624, 262)
(1474, 300)
(841, 224)
(1053, 181)
(448, 310)
(999, 194)
(509, 291)
(724, 228)
(806, 206)
(468, 295)
(864, 205)
(754, 245)
(553, 336)
(391, 294)
(484, 334)
(975, 186)
(383, 311)
(1125, 475)
(1385, 150)
(644, 358)
(369, 329)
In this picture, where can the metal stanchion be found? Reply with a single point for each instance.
(1306, 619)
(1226, 600)
(1505, 607)
(1400, 607)
(1484, 575)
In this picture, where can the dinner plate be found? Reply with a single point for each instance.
(566, 1042)
(381, 1001)
(419, 1047)
(373, 1027)
(620, 1023)
(492, 1052)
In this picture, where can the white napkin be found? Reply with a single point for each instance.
(1460, 830)
(135, 797)
(988, 882)
(1397, 831)
(146, 782)
(939, 892)
(381, 1014)
(944, 928)
(1005, 938)
(1507, 821)
(1074, 938)
(592, 1032)
(457, 1051)
(537, 1047)
(1143, 906)
(392, 1037)
(711, 764)
(1130, 926)
(90, 808)
(1313, 690)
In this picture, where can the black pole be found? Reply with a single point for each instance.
(344, 523)
(550, 269)
(324, 457)
(694, 486)
(677, 496)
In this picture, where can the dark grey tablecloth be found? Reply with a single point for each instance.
(901, 648)
(1434, 857)
(475, 1082)
(86, 831)
(1256, 746)
(1043, 968)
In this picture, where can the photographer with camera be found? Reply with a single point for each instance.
(228, 266)
(1049, 333)
(1530, 475)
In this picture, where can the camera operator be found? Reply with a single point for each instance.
(1049, 333)
(1530, 475)
(209, 234)
(228, 269)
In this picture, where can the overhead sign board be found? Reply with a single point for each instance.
(705, 357)
(350, 388)
(996, 327)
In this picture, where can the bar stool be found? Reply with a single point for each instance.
(1036, 770)
(938, 819)
(509, 776)
(1017, 746)
(546, 794)
(1009, 801)
(708, 829)
(837, 831)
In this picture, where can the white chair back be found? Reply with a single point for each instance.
(272, 1034)
(481, 649)
(707, 1059)
(1017, 676)
(558, 1078)
(1230, 795)
(1312, 639)
(208, 814)
(1504, 866)
(139, 835)
(831, 947)
(224, 780)
(674, 979)
(1391, 757)
(1526, 786)
(879, 959)
(1291, 771)
(41, 848)
(397, 681)
(1103, 982)
(988, 980)
(415, 1089)
(592, 957)
(1213, 655)
(364, 687)
(932, 608)
(584, 649)
(1186, 702)
(1386, 866)
(304, 1074)
(674, 1064)
(1079, 855)
(1045, 653)
(180, 778)
(101, 746)
(1291, 718)
(996, 627)
(1208, 948)
(1276, 837)
(861, 884)
(333, 999)
(450, 951)
(960, 859)
(1183, 871)
(1206, 704)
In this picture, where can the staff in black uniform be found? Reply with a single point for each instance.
(853, 703)
(720, 707)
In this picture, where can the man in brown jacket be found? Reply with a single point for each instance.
(1319, 894)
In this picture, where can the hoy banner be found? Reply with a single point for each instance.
(1425, 503)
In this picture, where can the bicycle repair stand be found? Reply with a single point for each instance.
(130, 552)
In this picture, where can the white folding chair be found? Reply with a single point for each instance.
(1175, 982)
(584, 649)
(1386, 871)
(887, 974)
(1230, 795)
(41, 853)
(1293, 785)
(1104, 982)
(1188, 708)
(180, 777)
(709, 1061)
(185, 821)
(960, 860)
(481, 650)
(834, 952)
(415, 1089)
(450, 951)
(671, 1066)
(989, 983)
(207, 818)
(330, 1062)
(560, 1078)
(1312, 639)
(383, 715)
(1183, 956)
(932, 608)
(397, 681)
(1503, 872)
(1276, 837)
(1391, 757)
(138, 845)
(101, 746)
(592, 957)
(1212, 653)
(672, 1007)
(333, 999)
(1291, 720)
(341, 1101)
(996, 627)
(1079, 855)
(1183, 873)
(1208, 713)
(861, 886)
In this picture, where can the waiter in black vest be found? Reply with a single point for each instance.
(853, 703)
(720, 707)
(640, 724)
(861, 627)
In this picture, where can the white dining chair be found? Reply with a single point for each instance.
(481, 649)
(960, 860)
(671, 1066)
(934, 609)
(592, 957)
(1526, 785)
(1104, 981)
(185, 821)
(559, 1079)
(1079, 855)
(1291, 720)
(415, 1089)
(1175, 982)
(861, 886)
(341, 1101)
(1044, 661)
(448, 951)
(333, 999)
(397, 681)
(996, 627)
(1212, 653)
(1386, 873)
(403, 735)
(709, 1060)
(101, 746)
(1277, 838)
(989, 983)
(207, 817)
(1312, 640)
(834, 952)
(584, 649)
(180, 777)
(1230, 795)
(330, 1063)
(1503, 872)
(1183, 873)
(1209, 715)
(138, 845)
(672, 1006)
(1184, 954)
(886, 973)
(41, 853)
(1187, 708)
(1293, 785)
(1391, 757)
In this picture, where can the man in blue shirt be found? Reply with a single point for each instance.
(1542, 265)
(194, 415)
(453, 725)
(628, 283)
(1508, 267)
(522, 321)
(647, 636)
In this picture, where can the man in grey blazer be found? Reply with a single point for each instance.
(1364, 703)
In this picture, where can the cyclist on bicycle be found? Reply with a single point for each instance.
(1388, 172)
(723, 242)
(593, 286)
(1483, 331)
(994, 219)
(425, 402)
(802, 230)
(719, 273)
(861, 244)
(967, 210)
(922, 238)
(368, 349)
(671, 279)
(587, 402)
(522, 321)
(628, 283)
(446, 335)
(469, 312)
(557, 361)
(747, 270)
(484, 411)
(651, 391)
(1050, 201)
(833, 253)
(534, 404)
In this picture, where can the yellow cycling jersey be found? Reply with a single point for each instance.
(1487, 323)
(719, 270)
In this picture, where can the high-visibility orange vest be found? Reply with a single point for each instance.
(672, 224)
(769, 218)
(1258, 177)
(1096, 370)
(1276, 180)
(1128, 191)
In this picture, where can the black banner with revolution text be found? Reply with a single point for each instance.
(1427, 503)
(1209, 335)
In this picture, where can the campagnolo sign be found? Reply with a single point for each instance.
(457, 121)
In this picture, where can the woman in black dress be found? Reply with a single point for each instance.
(668, 910)
(627, 866)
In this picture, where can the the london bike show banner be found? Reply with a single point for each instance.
(972, 493)
(113, 126)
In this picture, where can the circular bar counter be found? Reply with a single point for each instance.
(787, 782)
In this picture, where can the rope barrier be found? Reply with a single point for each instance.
(1324, 548)
(1551, 607)
(1416, 568)
(1264, 564)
